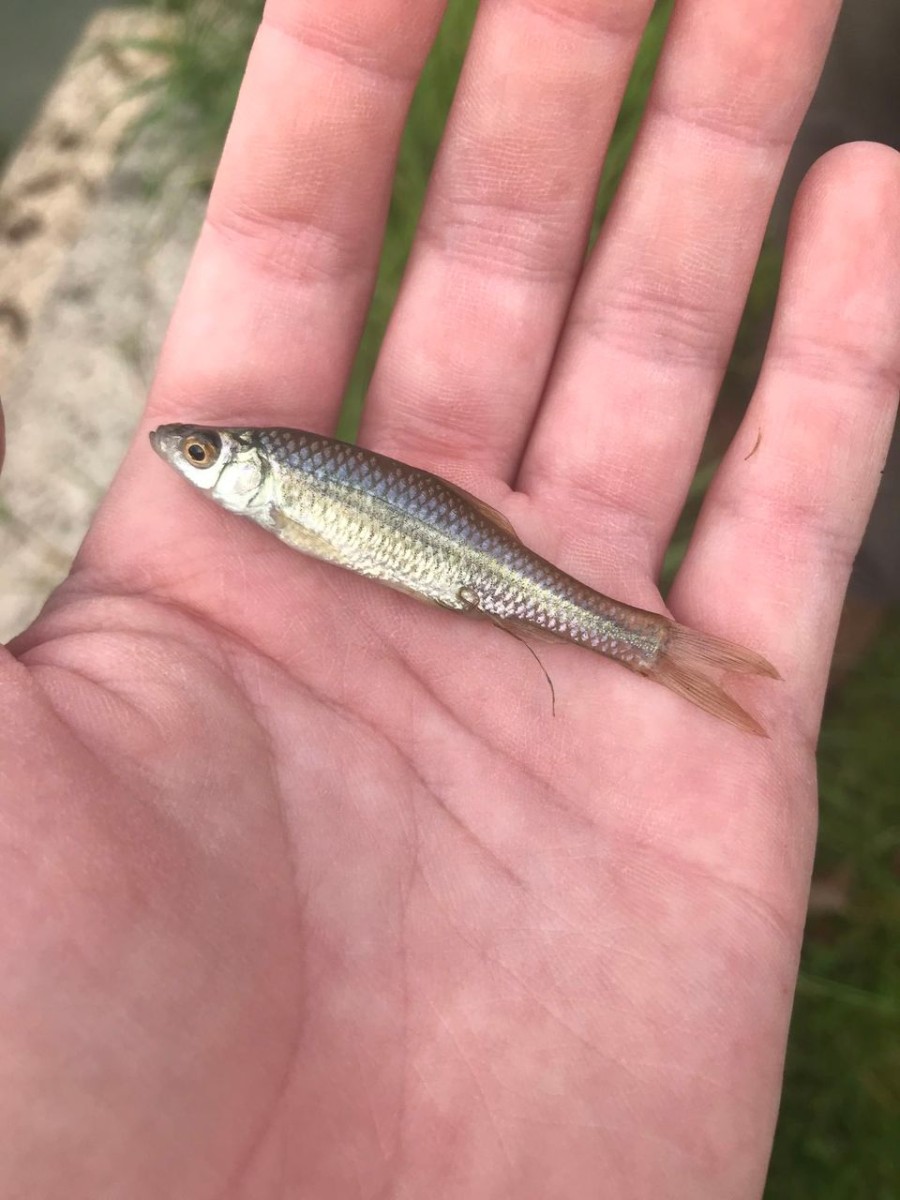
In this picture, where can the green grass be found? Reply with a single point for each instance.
(203, 55)
(838, 1134)
(840, 1115)
(424, 126)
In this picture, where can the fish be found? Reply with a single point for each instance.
(430, 539)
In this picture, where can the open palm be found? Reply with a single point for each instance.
(305, 892)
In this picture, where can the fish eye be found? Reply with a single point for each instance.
(201, 450)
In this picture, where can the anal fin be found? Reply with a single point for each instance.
(526, 630)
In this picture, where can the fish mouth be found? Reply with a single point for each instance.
(166, 437)
(163, 442)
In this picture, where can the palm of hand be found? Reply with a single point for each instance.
(330, 891)
(310, 892)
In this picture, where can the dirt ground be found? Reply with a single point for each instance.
(91, 260)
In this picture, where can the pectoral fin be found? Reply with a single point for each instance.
(303, 539)
(318, 547)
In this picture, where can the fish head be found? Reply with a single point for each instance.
(226, 463)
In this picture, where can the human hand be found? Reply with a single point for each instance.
(306, 893)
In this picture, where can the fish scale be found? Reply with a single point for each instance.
(425, 536)
(467, 553)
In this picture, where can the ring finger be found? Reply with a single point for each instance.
(652, 324)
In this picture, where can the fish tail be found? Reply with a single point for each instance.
(683, 661)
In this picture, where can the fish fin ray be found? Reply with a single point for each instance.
(695, 650)
(507, 627)
(485, 509)
(422, 599)
(311, 543)
(705, 694)
(303, 539)
(680, 668)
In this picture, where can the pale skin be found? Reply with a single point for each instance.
(305, 893)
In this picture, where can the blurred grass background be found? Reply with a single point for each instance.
(840, 1120)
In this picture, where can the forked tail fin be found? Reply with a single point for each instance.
(681, 668)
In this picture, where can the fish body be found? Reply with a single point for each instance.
(425, 536)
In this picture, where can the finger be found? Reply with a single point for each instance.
(268, 322)
(653, 323)
(782, 523)
(503, 231)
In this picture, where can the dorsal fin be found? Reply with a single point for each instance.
(481, 506)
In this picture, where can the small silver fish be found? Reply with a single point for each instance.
(431, 539)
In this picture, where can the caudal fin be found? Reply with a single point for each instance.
(685, 658)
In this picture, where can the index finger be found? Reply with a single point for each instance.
(267, 324)
(266, 327)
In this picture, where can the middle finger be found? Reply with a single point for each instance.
(503, 232)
